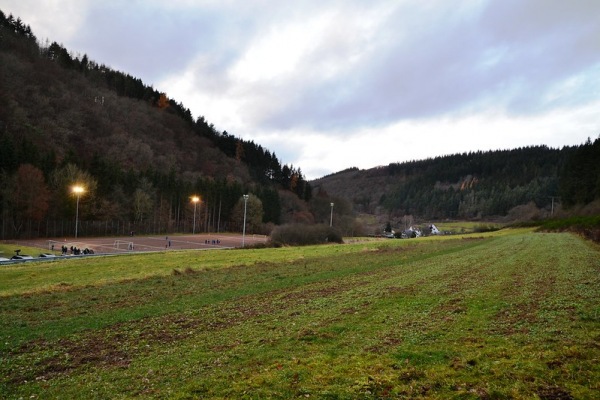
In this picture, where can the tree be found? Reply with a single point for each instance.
(271, 205)
(61, 184)
(143, 200)
(163, 101)
(285, 177)
(8, 154)
(580, 179)
(254, 213)
(407, 221)
(239, 150)
(26, 196)
(388, 227)
(142, 204)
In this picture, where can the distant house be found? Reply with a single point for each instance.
(411, 232)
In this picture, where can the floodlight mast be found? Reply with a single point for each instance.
(78, 190)
(244, 229)
(195, 200)
(331, 218)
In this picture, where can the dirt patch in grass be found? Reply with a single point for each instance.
(384, 344)
(525, 293)
(446, 311)
(408, 290)
(514, 320)
(307, 293)
(553, 393)
(117, 345)
(69, 355)
(473, 239)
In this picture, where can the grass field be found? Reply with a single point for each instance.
(509, 314)
(458, 227)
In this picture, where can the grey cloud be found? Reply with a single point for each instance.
(149, 43)
(548, 42)
(510, 53)
(424, 59)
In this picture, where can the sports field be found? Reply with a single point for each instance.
(132, 244)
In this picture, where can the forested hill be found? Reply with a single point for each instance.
(476, 184)
(66, 118)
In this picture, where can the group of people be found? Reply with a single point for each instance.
(214, 241)
(75, 251)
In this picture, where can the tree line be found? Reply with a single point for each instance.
(580, 178)
(486, 184)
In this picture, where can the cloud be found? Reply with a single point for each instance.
(328, 85)
(147, 42)
(447, 62)
(416, 139)
(391, 76)
(49, 19)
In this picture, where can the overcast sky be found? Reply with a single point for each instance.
(329, 85)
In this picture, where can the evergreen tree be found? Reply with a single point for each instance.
(580, 179)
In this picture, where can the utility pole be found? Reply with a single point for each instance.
(552, 208)
(331, 217)
(244, 231)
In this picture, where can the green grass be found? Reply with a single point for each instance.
(509, 314)
(459, 227)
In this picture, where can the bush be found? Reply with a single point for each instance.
(572, 223)
(524, 213)
(301, 235)
(485, 228)
(588, 227)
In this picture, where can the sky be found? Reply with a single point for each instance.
(329, 84)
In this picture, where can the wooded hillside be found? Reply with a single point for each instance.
(65, 120)
(474, 185)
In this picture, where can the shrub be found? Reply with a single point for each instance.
(523, 213)
(485, 228)
(587, 226)
(301, 235)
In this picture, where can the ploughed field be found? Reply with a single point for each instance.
(510, 314)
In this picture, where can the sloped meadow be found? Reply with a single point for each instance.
(509, 314)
